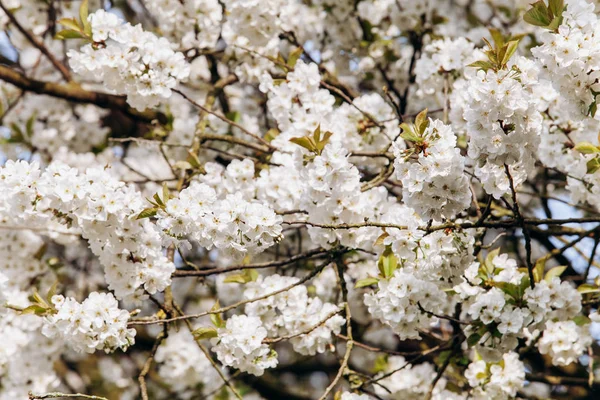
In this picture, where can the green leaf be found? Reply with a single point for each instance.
(158, 200)
(421, 121)
(216, 319)
(271, 134)
(497, 37)
(16, 132)
(147, 213)
(388, 263)
(69, 34)
(581, 320)
(323, 142)
(555, 272)
(593, 165)
(556, 7)
(205, 333)
(380, 239)
(483, 65)
(489, 265)
(294, 56)
(553, 26)
(51, 292)
(366, 282)
(381, 363)
(588, 288)
(586, 148)
(511, 47)
(236, 278)
(305, 142)
(29, 125)
(538, 270)
(593, 108)
(34, 309)
(408, 133)
(317, 134)
(193, 160)
(234, 116)
(83, 15)
(70, 23)
(473, 339)
(510, 289)
(538, 15)
(166, 193)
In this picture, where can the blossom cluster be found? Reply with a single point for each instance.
(95, 324)
(300, 182)
(231, 224)
(433, 184)
(102, 208)
(240, 345)
(130, 61)
(184, 365)
(503, 124)
(293, 312)
(569, 55)
(501, 380)
(510, 309)
(406, 303)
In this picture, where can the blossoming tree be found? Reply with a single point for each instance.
(288, 199)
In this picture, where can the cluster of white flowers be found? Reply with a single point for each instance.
(184, 365)
(253, 25)
(26, 356)
(293, 312)
(49, 124)
(103, 208)
(570, 56)
(190, 24)
(553, 300)
(240, 345)
(440, 257)
(129, 60)
(441, 63)
(406, 303)
(96, 324)
(511, 309)
(408, 381)
(564, 341)
(498, 381)
(368, 124)
(434, 183)
(503, 124)
(231, 224)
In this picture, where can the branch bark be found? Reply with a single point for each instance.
(73, 92)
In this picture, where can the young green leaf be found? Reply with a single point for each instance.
(538, 15)
(294, 56)
(366, 282)
(204, 333)
(586, 148)
(555, 272)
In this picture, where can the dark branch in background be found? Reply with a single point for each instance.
(73, 92)
(524, 228)
(38, 44)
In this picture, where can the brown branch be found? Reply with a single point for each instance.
(225, 119)
(73, 92)
(57, 395)
(523, 226)
(37, 44)
(308, 277)
(278, 263)
(147, 364)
